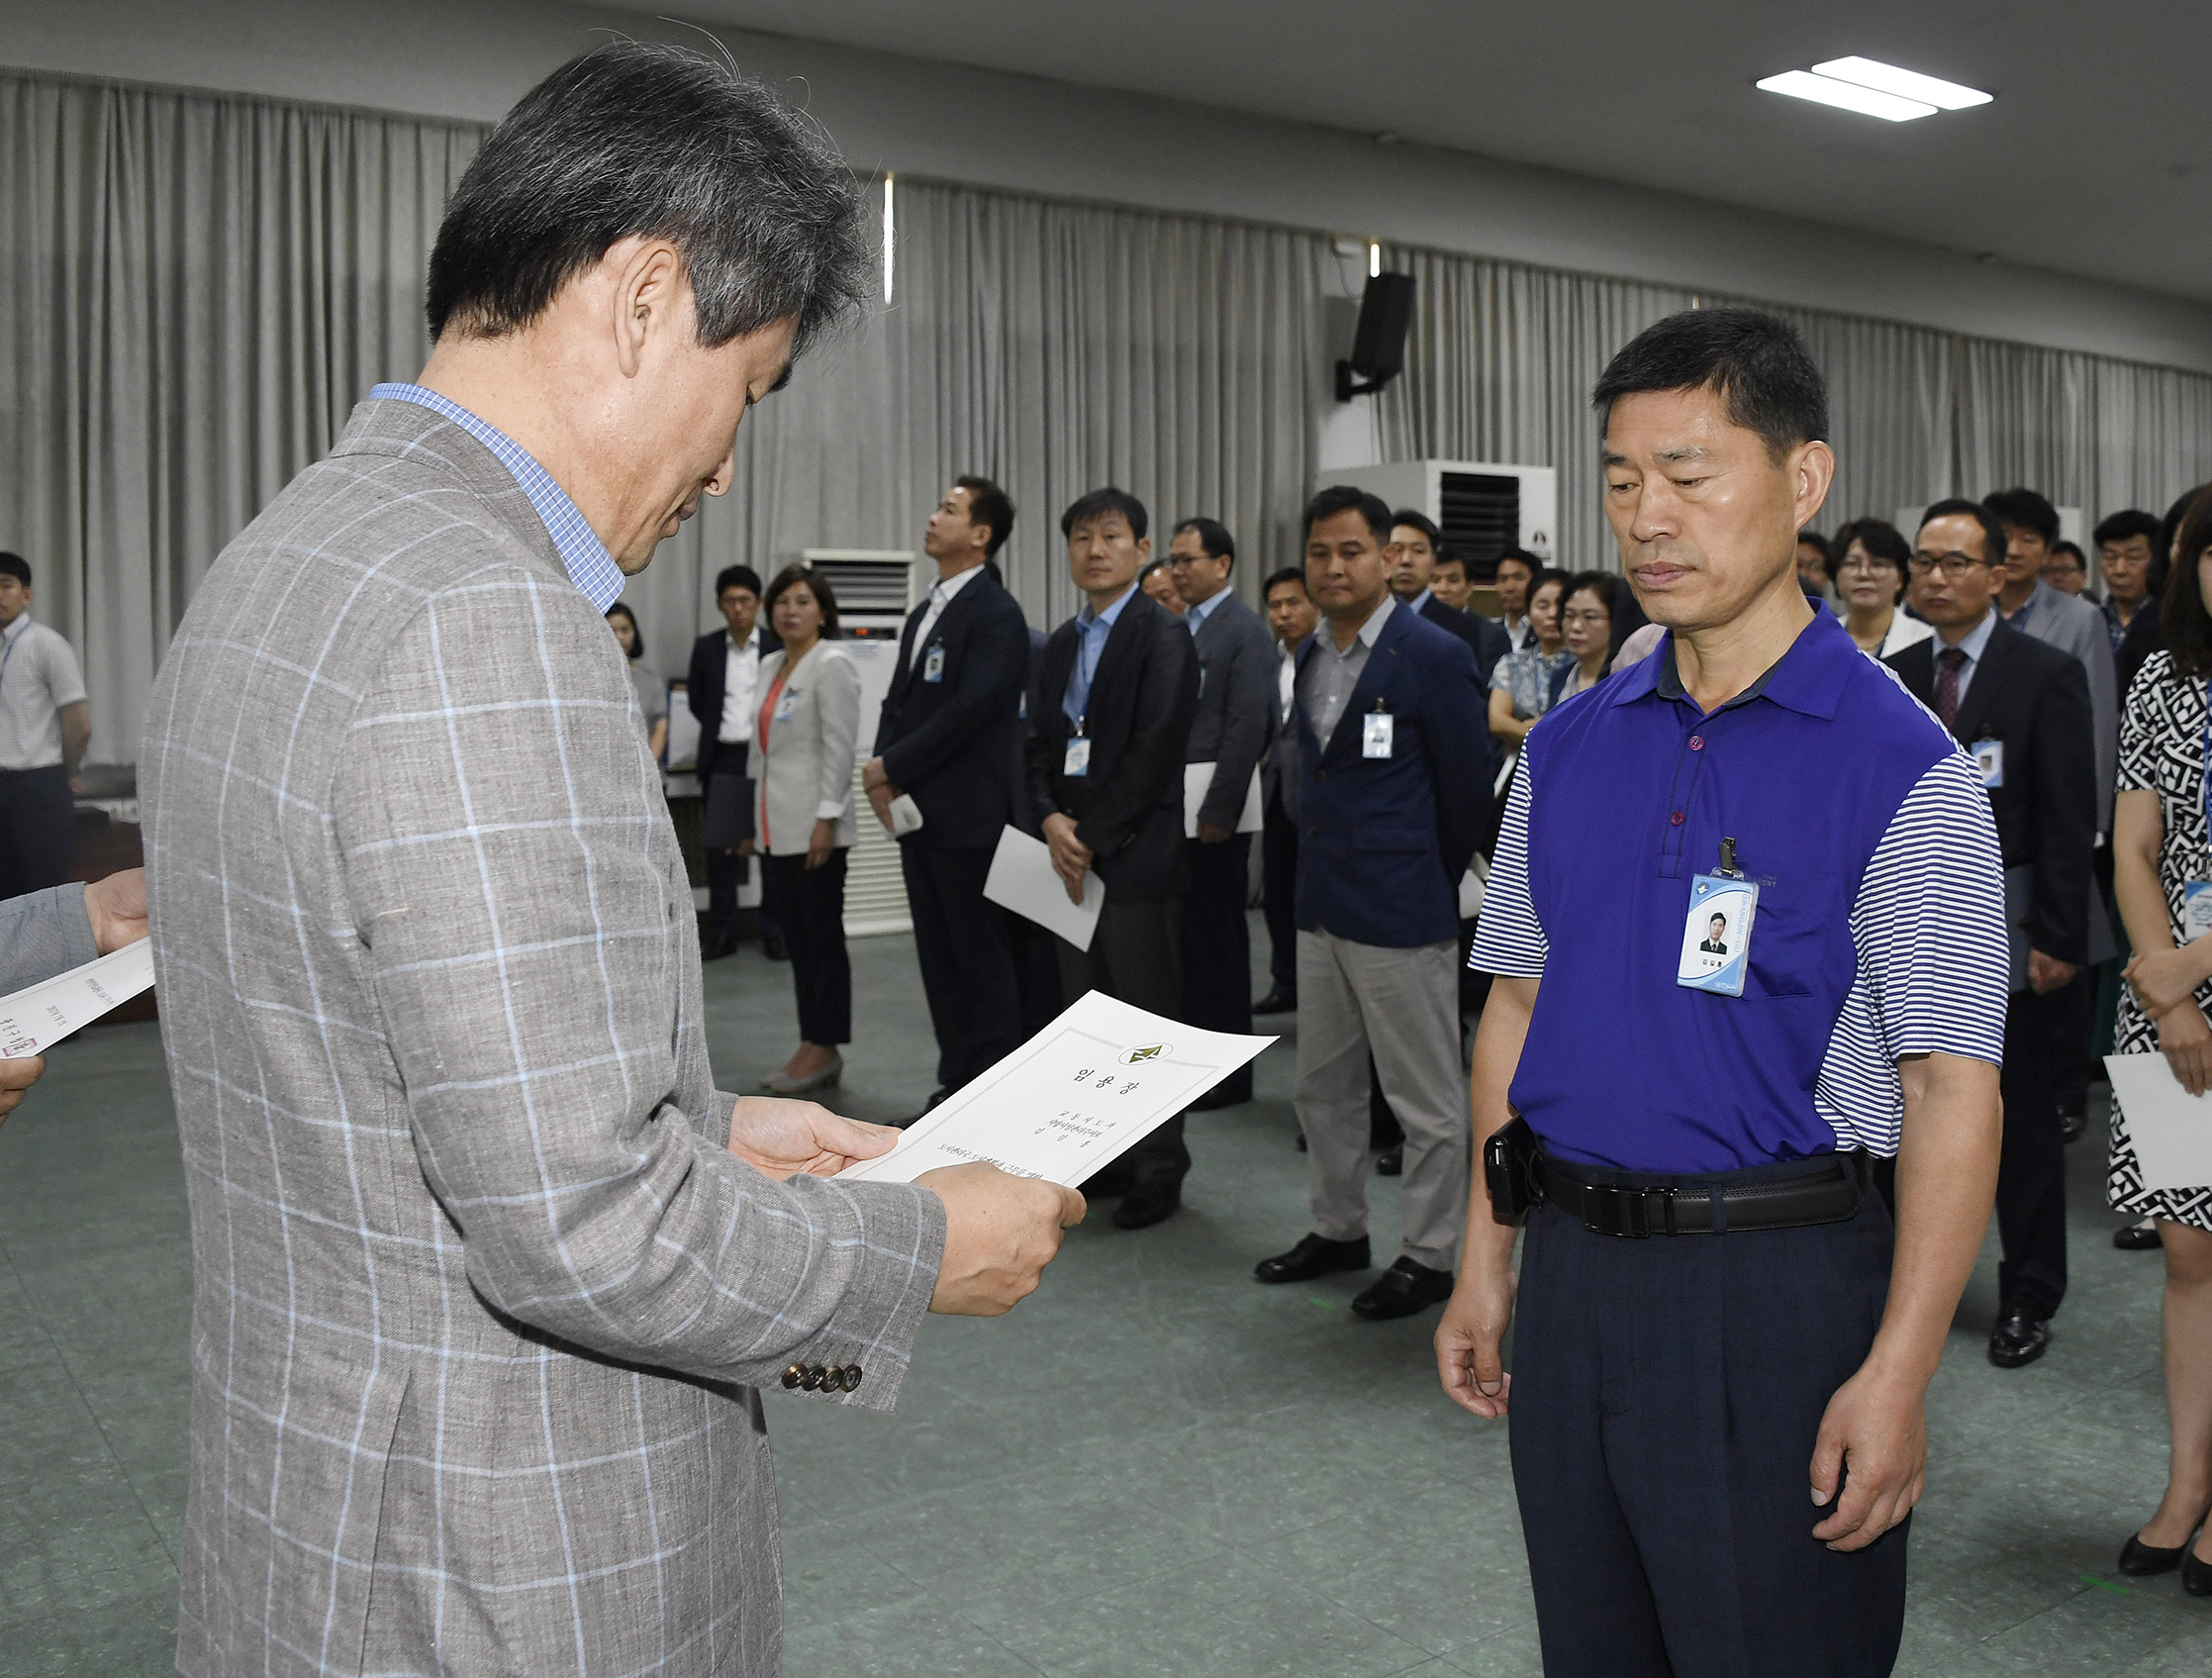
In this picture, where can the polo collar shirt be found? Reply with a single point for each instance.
(1879, 931)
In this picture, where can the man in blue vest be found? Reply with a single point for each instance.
(1714, 1316)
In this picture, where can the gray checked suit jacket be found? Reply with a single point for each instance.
(480, 1299)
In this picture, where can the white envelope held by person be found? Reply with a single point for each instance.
(2171, 1130)
(1022, 879)
(1071, 1100)
(33, 1020)
(1197, 778)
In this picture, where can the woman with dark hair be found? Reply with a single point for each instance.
(806, 734)
(652, 692)
(1867, 561)
(1588, 620)
(1521, 685)
(2162, 846)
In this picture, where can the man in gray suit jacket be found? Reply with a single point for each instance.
(1236, 720)
(44, 933)
(487, 1274)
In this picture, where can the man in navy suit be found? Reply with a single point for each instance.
(1391, 801)
(722, 691)
(947, 738)
(1104, 757)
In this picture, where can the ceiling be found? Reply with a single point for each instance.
(2093, 160)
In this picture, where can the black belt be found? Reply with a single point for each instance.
(1828, 1195)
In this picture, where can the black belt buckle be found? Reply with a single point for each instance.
(1628, 1212)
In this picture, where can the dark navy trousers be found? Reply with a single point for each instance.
(1667, 1396)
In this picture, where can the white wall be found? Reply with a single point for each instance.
(469, 58)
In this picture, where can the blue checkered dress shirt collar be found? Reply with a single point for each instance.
(590, 567)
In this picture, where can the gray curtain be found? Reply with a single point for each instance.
(199, 287)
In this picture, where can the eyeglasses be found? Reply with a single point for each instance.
(1954, 566)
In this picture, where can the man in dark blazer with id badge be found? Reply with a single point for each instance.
(947, 734)
(2021, 709)
(1118, 692)
(1394, 785)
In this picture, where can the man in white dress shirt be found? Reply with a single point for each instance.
(43, 728)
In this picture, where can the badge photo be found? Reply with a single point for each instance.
(933, 663)
(1377, 730)
(1989, 757)
(1717, 934)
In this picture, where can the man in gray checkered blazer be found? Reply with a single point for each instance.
(486, 1273)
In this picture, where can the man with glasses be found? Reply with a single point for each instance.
(1236, 682)
(2021, 711)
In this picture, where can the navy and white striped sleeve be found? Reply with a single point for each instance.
(1508, 937)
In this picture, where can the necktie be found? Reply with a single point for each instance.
(1953, 659)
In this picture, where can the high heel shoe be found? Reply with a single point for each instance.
(825, 1079)
(2139, 1561)
(2196, 1576)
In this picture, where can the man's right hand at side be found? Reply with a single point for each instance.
(1000, 1232)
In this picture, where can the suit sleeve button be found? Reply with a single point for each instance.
(812, 1381)
(852, 1377)
(794, 1375)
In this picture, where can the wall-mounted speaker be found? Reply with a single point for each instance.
(1379, 342)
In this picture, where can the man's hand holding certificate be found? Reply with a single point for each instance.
(1073, 1099)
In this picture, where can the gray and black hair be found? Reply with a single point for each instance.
(1755, 362)
(636, 139)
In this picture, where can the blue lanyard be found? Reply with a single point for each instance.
(12, 643)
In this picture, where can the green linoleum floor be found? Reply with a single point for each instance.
(1154, 1466)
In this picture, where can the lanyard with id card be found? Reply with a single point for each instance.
(1716, 931)
(785, 706)
(1378, 730)
(933, 663)
(1077, 762)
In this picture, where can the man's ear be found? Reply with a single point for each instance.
(1812, 471)
(649, 297)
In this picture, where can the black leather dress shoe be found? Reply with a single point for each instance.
(1404, 1287)
(1390, 1163)
(716, 946)
(1277, 1001)
(2018, 1338)
(1146, 1204)
(774, 947)
(2071, 1125)
(2139, 1561)
(1313, 1257)
(2138, 1238)
(1229, 1092)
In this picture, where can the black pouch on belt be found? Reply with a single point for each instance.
(1509, 1169)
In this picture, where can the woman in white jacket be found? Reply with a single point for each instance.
(804, 742)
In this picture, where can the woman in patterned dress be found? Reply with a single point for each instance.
(2161, 843)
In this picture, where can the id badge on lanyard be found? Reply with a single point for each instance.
(1077, 763)
(1716, 931)
(934, 664)
(1378, 731)
(786, 705)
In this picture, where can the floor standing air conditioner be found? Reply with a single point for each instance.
(1482, 508)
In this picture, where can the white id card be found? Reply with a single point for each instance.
(1717, 934)
(2196, 910)
(1989, 757)
(1078, 761)
(1376, 731)
(785, 706)
(933, 663)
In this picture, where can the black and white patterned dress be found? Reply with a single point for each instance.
(2162, 750)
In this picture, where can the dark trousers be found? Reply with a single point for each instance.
(2032, 1169)
(1217, 948)
(1279, 892)
(1037, 973)
(730, 823)
(808, 905)
(38, 818)
(1667, 1397)
(967, 962)
(2073, 1024)
(1136, 956)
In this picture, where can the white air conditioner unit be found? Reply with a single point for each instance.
(1482, 506)
(875, 590)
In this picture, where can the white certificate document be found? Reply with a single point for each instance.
(2171, 1130)
(1071, 1100)
(33, 1020)
(1022, 879)
(1197, 780)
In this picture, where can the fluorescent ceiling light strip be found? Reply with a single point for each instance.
(1905, 84)
(1846, 96)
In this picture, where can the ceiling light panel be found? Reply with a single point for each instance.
(1846, 96)
(1905, 84)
